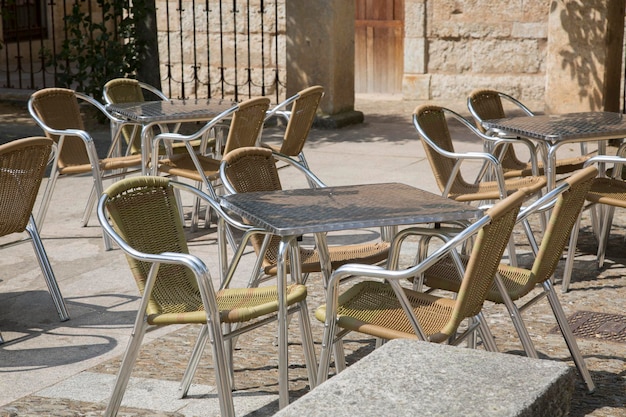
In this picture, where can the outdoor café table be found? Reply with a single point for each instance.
(150, 113)
(291, 213)
(553, 131)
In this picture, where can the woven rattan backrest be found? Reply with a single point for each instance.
(486, 105)
(485, 257)
(247, 123)
(58, 109)
(22, 166)
(123, 90)
(562, 219)
(433, 122)
(144, 212)
(253, 169)
(126, 90)
(303, 113)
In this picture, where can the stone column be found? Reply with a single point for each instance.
(415, 81)
(583, 64)
(320, 50)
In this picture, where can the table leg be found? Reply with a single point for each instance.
(286, 243)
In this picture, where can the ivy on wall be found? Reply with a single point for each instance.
(98, 49)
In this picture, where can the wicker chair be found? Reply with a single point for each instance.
(22, 167)
(432, 126)
(57, 112)
(128, 90)
(608, 193)
(177, 288)
(514, 283)
(388, 310)
(299, 120)
(488, 104)
(244, 130)
(254, 169)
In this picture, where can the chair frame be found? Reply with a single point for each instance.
(212, 330)
(488, 159)
(511, 164)
(47, 150)
(392, 276)
(94, 161)
(117, 128)
(601, 222)
(541, 274)
(299, 118)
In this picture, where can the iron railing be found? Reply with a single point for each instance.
(207, 48)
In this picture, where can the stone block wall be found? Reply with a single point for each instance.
(221, 48)
(453, 47)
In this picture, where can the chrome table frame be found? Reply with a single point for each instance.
(151, 113)
(291, 213)
(553, 131)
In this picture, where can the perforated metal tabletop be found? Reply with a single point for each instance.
(172, 110)
(295, 212)
(563, 127)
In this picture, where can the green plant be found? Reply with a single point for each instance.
(97, 51)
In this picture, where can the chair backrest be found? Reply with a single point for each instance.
(58, 109)
(144, 212)
(129, 90)
(437, 141)
(486, 105)
(123, 90)
(247, 123)
(254, 169)
(562, 219)
(302, 115)
(485, 257)
(22, 167)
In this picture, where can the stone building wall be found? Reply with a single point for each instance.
(218, 50)
(453, 47)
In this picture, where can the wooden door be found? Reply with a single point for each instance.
(379, 33)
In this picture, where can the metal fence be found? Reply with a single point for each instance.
(207, 48)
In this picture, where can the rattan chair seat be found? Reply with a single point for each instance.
(372, 308)
(236, 305)
(489, 190)
(182, 165)
(563, 166)
(367, 253)
(608, 191)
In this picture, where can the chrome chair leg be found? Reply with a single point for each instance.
(568, 335)
(46, 269)
(196, 354)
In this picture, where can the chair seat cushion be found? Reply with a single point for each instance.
(367, 253)
(236, 305)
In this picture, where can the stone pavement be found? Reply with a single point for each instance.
(67, 369)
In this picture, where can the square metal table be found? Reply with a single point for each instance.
(150, 113)
(552, 131)
(290, 213)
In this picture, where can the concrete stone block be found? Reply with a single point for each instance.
(411, 378)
